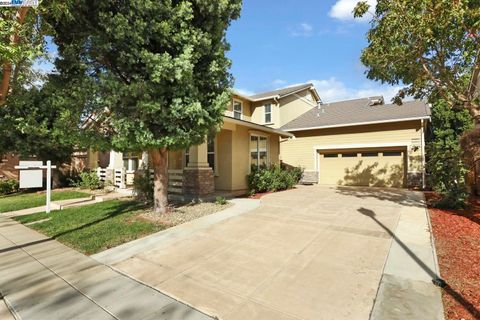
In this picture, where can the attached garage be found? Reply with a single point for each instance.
(369, 167)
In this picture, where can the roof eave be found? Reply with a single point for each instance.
(258, 127)
(357, 124)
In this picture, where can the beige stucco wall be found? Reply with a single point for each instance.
(241, 154)
(299, 151)
(291, 107)
(258, 113)
(232, 156)
(283, 110)
(223, 176)
(247, 108)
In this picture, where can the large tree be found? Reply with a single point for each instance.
(155, 71)
(427, 45)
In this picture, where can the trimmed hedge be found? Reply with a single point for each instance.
(273, 178)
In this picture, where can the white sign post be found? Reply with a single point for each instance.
(31, 176)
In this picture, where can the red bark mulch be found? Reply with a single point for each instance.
(457, 240)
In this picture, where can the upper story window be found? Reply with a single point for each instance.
(237, 109)
(268, 113)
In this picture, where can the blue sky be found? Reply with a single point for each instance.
(285, 42)
(280, 43)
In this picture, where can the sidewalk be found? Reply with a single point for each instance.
(406, 290)
(43, 279)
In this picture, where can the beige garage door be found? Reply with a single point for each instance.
(382, 168)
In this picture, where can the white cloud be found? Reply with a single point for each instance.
(331, 90)
(302, 30)
(244, 92)
(343, 10)
(279, 82)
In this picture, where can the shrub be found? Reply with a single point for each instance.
(221, 201)
(143, 185)
(445, 166)
(273, 178)
(87, 180)
(8, 186)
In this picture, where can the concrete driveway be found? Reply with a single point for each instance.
(310, 253)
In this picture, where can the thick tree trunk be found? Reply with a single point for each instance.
(159, 159)
(7, 65)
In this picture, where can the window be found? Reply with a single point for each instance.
(237, 109)
(211, 152)
(258, 150)
(392, 154)
(268, 113)
(130, 164)
(349, 155)
(331, 155)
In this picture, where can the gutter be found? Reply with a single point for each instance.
(258, 127)
(357, 124)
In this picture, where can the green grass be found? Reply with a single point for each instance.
(97, 227)
(30, 200)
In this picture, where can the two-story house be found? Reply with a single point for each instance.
(249, 135)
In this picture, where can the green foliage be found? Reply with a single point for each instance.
(143, 185)
(445, 166)
(428, 45)
(88, 180)
(97, 227)
(159, 67)
(38, 123)
(21, 201)
(221, 201)
(272, 178)
(8, 186)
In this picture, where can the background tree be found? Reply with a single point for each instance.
(22, 42)
(445, 164)
(155, 71)
(427, 45)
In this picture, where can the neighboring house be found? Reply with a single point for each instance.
(249, 135)
(8, 162)
(360, 142)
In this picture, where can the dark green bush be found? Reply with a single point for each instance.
(8, 186)
(87, 180)
(273, 178)
(143, 185)
(445, 165)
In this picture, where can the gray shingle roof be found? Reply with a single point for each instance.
(357, 111)
(281, 92)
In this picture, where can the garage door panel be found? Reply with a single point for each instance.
(381, 169)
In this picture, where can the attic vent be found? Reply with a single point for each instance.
(376, 101)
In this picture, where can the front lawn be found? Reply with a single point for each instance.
(457, 240)
(21, 201)
(97, 227)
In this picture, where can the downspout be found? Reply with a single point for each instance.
(423, 155)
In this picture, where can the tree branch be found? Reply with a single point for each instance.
(7, 65)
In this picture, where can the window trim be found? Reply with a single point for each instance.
(265, 113)
(241, 109)
(255, 134)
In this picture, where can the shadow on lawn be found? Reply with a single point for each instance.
(120, 209)
(435, 278)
